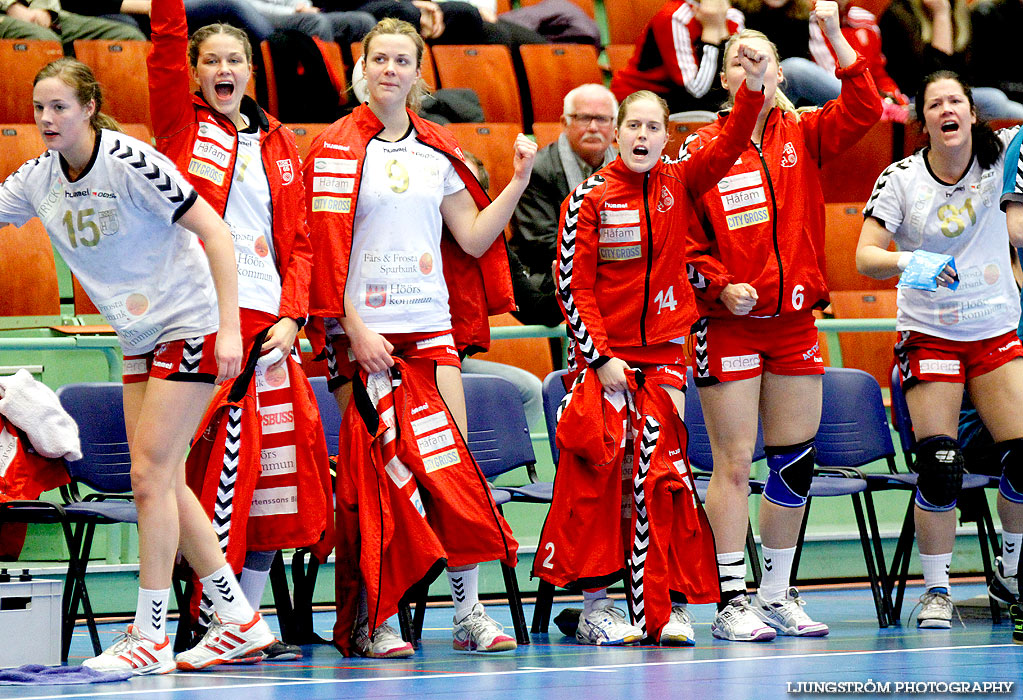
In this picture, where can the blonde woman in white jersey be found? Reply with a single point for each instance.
(123, 219)
(945, 199)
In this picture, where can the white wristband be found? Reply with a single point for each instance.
(904, 259)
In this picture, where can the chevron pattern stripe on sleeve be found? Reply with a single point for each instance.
(565, 255)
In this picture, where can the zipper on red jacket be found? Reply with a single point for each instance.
(649, 260)
(774, 227)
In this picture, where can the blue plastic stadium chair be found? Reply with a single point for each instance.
(105, 468)
(853, 433)
(986, 537)
(499, 436)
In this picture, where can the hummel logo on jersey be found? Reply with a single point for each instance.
(611, 205)
(328, 144)
(417, 409)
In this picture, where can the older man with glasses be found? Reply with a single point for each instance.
(583, 148)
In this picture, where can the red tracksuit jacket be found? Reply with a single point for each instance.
(410, 497)
(764, 222)
(633, 509)
(24, 474)
(621, 242)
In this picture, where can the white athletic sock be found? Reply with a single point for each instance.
(936, 568)
(777, 571)
(151, 614)
(464, 590)
(731, 576)
(228, 599)
(255, 575)
(1011, 542)
(590, 599)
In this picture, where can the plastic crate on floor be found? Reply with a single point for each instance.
(30, 614)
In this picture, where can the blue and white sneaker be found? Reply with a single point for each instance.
(606, 625)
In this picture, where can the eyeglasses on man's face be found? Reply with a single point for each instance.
(600, 119)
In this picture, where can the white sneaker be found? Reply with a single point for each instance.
(1003, 588)
(679, 629)
(606, 626)
(477, 631)
(226, 641)
(787, 616)
(133, 652)
(935, 611)
(739, 622)
(385, 643)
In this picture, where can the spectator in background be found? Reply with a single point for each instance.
(302, 15)
(47, 20)
(583, 147)
(786, 20)
(923, 36)
(996, 25)
(678, 55)
(809, 62)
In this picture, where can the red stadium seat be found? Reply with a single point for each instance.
(842, 232)
(626, 20)
(304, 136)
(552, 70)
(871, 352)
(492, 143)
(119, 67)
(18, 143)
(618, 55)
(546, 132)
(28, 276)
(21, 60)
(486, 69)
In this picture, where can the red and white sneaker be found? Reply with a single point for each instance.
(133, 652)
(226, 641)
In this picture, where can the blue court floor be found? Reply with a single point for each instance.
(553, 667)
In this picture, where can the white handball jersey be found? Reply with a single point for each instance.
(249, 215)
(962, 220)
(395, 278)
(115, 227)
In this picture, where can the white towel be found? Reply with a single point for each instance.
(34, 408)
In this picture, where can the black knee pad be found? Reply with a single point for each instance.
(790, 473)
(1010, 453)
(939, 462)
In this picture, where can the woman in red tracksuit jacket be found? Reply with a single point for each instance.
(623, 288)
(245, 164)
(756, 260)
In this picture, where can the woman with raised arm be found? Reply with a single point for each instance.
(626, 298)
(245, 163)
(756, 260)
(959, 331)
